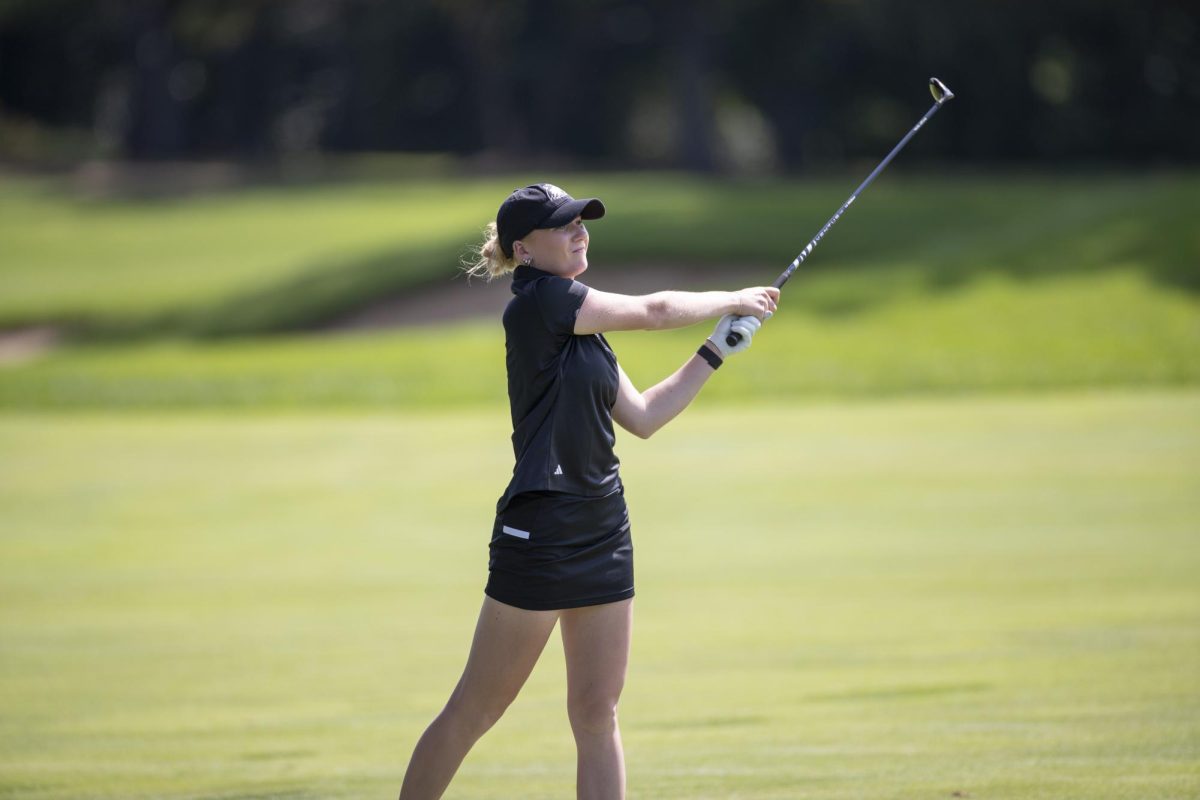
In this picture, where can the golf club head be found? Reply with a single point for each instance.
(940, 91)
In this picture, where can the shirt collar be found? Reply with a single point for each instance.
(525, 272)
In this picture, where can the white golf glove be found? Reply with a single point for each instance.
(746, 327)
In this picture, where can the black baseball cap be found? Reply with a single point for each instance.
(540, 205)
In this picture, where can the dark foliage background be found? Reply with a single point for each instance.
(744, 86)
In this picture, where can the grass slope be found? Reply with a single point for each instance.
(281, 253)
(999, 333)
(282, 258)
(891, 600)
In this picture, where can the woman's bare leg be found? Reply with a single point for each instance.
(506, 646)
(596, 643)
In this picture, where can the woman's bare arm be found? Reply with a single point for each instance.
(606, 311)
(643, 413)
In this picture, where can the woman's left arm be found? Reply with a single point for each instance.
(643, 413)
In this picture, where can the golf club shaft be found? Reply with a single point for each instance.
(733, 338)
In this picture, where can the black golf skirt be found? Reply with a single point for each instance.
(551, 550)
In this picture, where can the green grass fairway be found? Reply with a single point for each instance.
(1114, 330)
(986, 598)
(932, 285)
(272, 258)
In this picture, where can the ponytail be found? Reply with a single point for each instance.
(488, 261)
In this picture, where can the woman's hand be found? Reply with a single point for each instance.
(759, 302)
(745, 327)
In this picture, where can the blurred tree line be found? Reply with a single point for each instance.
(737, 85)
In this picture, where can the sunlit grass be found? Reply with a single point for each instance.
(274, 258)
(1001, 333)
(909, 599)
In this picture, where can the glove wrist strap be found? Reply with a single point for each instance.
(714, 360)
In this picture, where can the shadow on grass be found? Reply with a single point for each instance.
(910, 234)
(711, 722)
(902, 692)
(323, 291)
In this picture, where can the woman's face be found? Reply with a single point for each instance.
(559, 251)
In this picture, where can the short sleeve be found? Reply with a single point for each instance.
(559, 300)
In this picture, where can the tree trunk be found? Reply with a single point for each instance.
(691, 64)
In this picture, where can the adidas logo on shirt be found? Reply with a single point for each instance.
(558, 470)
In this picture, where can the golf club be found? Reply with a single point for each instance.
(941, 93)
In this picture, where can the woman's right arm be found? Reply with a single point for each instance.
(643, 413)
(602, 312)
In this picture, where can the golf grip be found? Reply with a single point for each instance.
(733, 338)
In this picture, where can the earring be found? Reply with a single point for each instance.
(528, 260)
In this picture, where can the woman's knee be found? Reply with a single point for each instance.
(592, 715)
(474, 716)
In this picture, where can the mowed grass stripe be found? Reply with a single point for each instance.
(271, 258)
(889, 599)
(996, 333)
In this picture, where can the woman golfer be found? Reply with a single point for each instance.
(561, 549)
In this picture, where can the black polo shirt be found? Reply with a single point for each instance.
(561, 390)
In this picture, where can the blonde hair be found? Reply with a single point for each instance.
(488, 261)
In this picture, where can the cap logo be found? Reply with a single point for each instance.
(552, 191)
